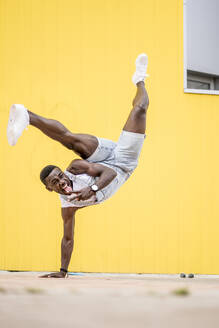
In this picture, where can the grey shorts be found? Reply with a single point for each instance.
(123, 154)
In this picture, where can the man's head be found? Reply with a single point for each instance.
(56, 180)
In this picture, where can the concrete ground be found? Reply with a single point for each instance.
(108, 300)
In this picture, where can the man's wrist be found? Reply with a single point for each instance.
(63, 270)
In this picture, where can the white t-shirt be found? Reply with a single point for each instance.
(81, 181)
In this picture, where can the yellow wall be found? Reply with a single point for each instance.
(73, 61)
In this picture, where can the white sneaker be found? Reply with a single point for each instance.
(141, 69)
(18, 121)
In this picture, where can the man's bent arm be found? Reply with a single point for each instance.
(104, 173)
(67, 244)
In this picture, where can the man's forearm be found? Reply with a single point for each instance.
(66, 251)
(105, 178)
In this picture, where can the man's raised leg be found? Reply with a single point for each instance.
(19, 118)
(82, 144)
(136, 121)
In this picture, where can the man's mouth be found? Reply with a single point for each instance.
(67, 189)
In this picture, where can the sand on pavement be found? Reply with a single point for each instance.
(108, 300)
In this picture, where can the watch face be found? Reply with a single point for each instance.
(94, 188)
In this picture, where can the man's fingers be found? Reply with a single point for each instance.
(44, 276)
(49, 275)
(52, 275)
(74, 196)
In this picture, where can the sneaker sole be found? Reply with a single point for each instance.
(13, 131)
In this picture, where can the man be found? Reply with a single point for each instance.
(104, 167)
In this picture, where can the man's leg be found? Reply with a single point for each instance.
(82, 144)
(136, 121)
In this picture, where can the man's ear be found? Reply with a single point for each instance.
(48, 188)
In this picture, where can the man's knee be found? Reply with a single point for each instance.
(140, 109)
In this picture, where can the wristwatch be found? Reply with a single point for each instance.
(94, 187)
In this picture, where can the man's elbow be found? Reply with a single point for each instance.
(114, 174)
(68, 242)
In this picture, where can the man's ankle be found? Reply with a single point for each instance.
(140, 83)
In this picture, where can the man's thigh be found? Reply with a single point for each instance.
(128, 150)
(104, 150)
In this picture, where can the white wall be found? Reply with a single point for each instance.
(203, 35)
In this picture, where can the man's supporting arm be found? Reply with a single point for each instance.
(67, 244)
(68, 216)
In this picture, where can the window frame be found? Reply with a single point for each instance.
(198, 77)
(186, 89)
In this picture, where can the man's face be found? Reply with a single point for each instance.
(59, 182)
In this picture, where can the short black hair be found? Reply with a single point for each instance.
(46, 171)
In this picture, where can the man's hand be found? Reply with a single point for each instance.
(83, 194)
(55, 275)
